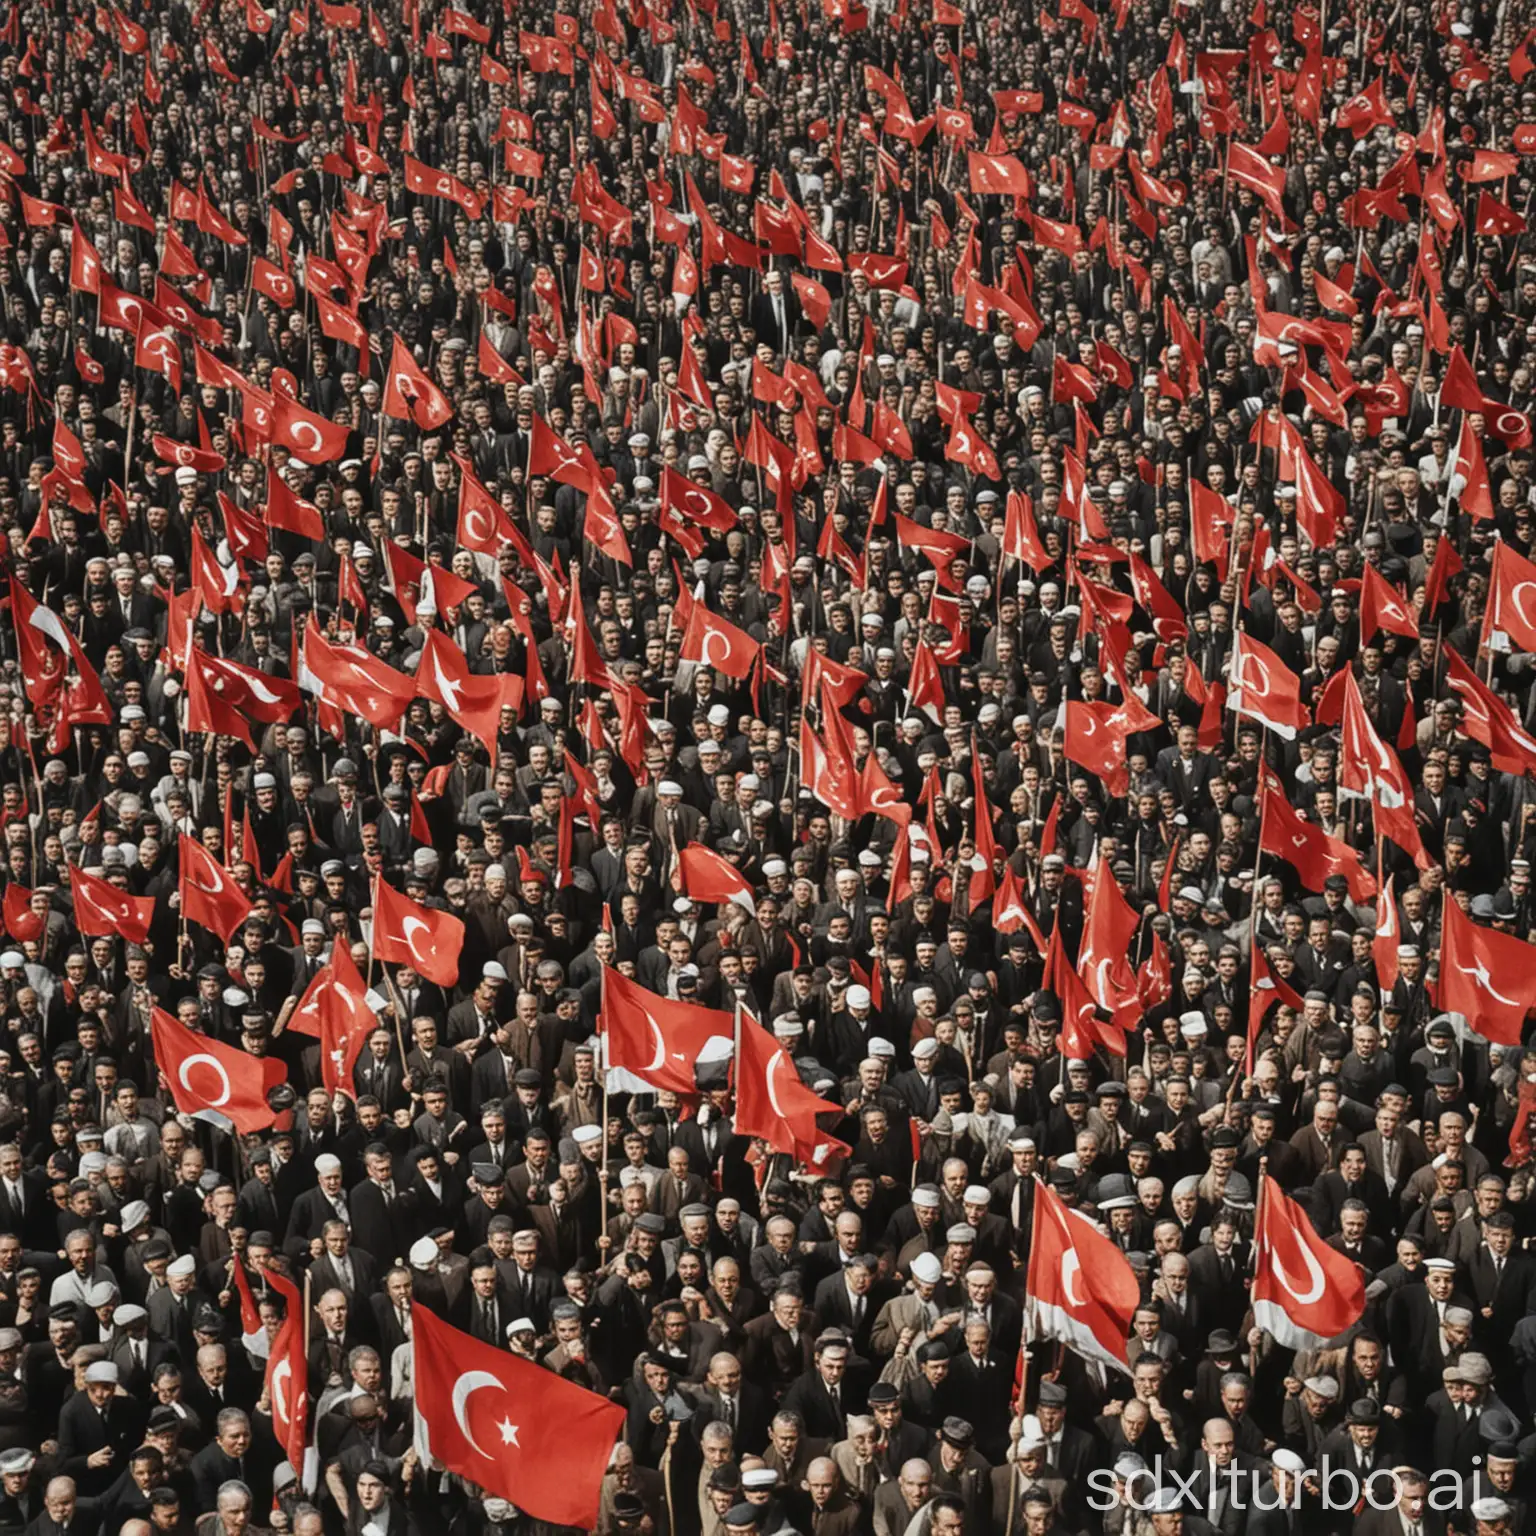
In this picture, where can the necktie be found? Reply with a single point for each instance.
(488, 1318)
(729, 1405)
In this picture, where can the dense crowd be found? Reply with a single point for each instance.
(677, 674)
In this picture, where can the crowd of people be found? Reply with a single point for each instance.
(811, 510)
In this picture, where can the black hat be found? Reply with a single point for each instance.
(956, 1432)
(1363, 1411)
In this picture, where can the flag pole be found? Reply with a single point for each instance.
(1017, 1431)
(602, 1164)
(1258, 1226)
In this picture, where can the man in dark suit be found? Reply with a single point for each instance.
(844, 1300)
(818, 1395)
(381, 1224)
(64, 1510)
(1410, 1516)
(1501, 1279)
(25, 1209)
(728, 1399)
(484, 1311)
(98, 1430)
(775, 314)
(983, 1386)
(323, 1201)
(342, 1267)
(530, 1287)
(780, 1345)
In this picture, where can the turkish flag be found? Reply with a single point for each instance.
(1002, 175)
(473, 701)
(290, 512)
(207, 708)
(940, 546)
(356, 681)
(209, 895)
(1082, 1288)
(1103, 958)
(654, 1038)
(1263, 688)
(1369, 770)
(287, 1375)
(828, 775)
(1304, 1292)
(1476, 494)
(1488, 719)
(1382, 608)
(1510, 611)
(253, 693)
(483, 524)
(1083, 1033)
(1389, 934)
(772, 1103)
(424, 938)
(1021, 534)
(1307, 848)
(273, 282)
(1486, 976)
(410, 395)
(211, 1081)
(103, 911)
(425, 182)
(338, 999)
(549, 454)
(21, 922)
(184, 455)
(517, 1430)
(712, 641)
(708, 877)
(1265, 989)
(1092, 742)
(310, 438)
(697, 503)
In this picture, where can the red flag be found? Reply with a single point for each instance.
(773, 1103)
(1382, 609)
(103, 911)
(345, 1019)
(1388, 934)
(1263, 688)
(1003, 175)
(1103, 958)
(1094, 743)
(1510, 611)
(1307, 848)
(1369, 770)
(1447, 563)
(424, 938)
(212, 1081)
(1476, 495)
(1081, 1288)
(1486, 976)
(287, 1375)
(507, 1424)
(1304, 1292)
(209, 895)
(707, 877)
(712, 641)
(1488, 719)
(425, 182)
(472, 700)
(410, 394)
(356, 681)
(310, 438)
(21, 922)
(655, 1038)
